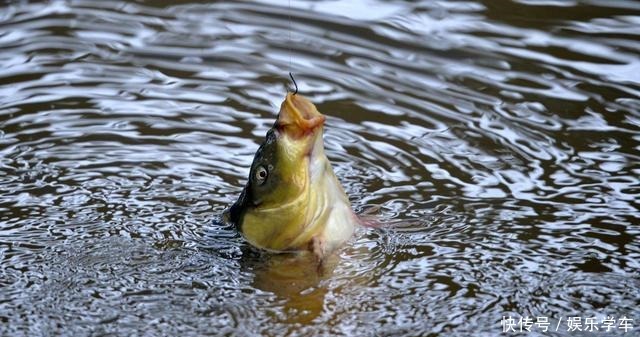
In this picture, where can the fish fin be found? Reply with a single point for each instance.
(369, 217)
(369, 222)
(317, 247)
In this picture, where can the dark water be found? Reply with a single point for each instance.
(500, 139)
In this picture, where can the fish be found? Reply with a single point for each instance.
(293, 201)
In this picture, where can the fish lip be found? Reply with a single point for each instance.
(298, 115)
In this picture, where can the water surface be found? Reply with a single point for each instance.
(499, 139)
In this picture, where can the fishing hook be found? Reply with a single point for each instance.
(294, 82)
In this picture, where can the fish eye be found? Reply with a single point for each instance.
(261, 174)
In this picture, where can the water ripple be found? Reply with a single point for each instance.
(496, 142)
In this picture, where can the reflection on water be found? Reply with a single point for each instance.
(499, 140)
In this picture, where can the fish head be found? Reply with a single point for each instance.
(273, 210)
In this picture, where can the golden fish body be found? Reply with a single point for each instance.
(293, 200)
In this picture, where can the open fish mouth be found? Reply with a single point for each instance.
(298, 116)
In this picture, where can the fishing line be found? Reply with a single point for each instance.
(290, 51)
(289, 12)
